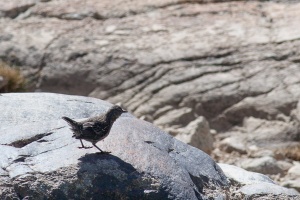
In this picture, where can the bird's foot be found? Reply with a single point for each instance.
(84, 147)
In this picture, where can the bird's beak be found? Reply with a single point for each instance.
(124, 111)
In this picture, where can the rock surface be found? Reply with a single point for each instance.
(295, 170)
(252, 191)
(265, 165)
(292, 179)
(234, 62)
(40, 159)
(295, 184)
(232, 144)
(242, 176)
(137, 55)
(197, 133)
(255, 185)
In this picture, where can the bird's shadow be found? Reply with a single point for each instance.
(106, 165)
(108, 176)
(99, 159)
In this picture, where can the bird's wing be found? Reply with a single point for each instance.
(98, 127)
(101, 128)
(87, 131)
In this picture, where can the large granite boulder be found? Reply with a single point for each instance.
(234, 62)
(225, 61)
(40, 160)
(255, 185)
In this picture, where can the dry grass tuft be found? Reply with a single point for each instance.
(11, 79)
(290, 151)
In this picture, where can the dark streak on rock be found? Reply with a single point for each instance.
(42, 141)
(170, 150)
(199, 183)
(76, 55)
(15, 12)
(24, 142)
(80, 101)
(21, 158)
(149, 142)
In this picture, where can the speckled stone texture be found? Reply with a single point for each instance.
(40, 159)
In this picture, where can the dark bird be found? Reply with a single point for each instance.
(96, 128)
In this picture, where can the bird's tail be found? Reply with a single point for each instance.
(71, 122)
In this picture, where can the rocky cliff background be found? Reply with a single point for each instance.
(223, 76)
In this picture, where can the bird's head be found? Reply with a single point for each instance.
(115, 112)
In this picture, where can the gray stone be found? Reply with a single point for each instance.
(242, 176)
(266, 188)
(255, 185)
(3, 172)
(173, 117)
(294, 171)
(17, 169)
(40, 159)
(284, 165)
(295, 184)
(296, 112)
(197, 133)
(261, 131)
(234, 143)
(255, 152)
(15, 7)
(221, 77)
(265, 165)
(246, 63)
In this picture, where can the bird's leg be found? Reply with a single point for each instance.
(82, 146)
(100, 149)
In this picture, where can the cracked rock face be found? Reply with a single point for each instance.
(223, 61)
(40, 159)
(169, 62)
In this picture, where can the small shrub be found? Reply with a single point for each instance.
(12, 79)
(291, 151)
